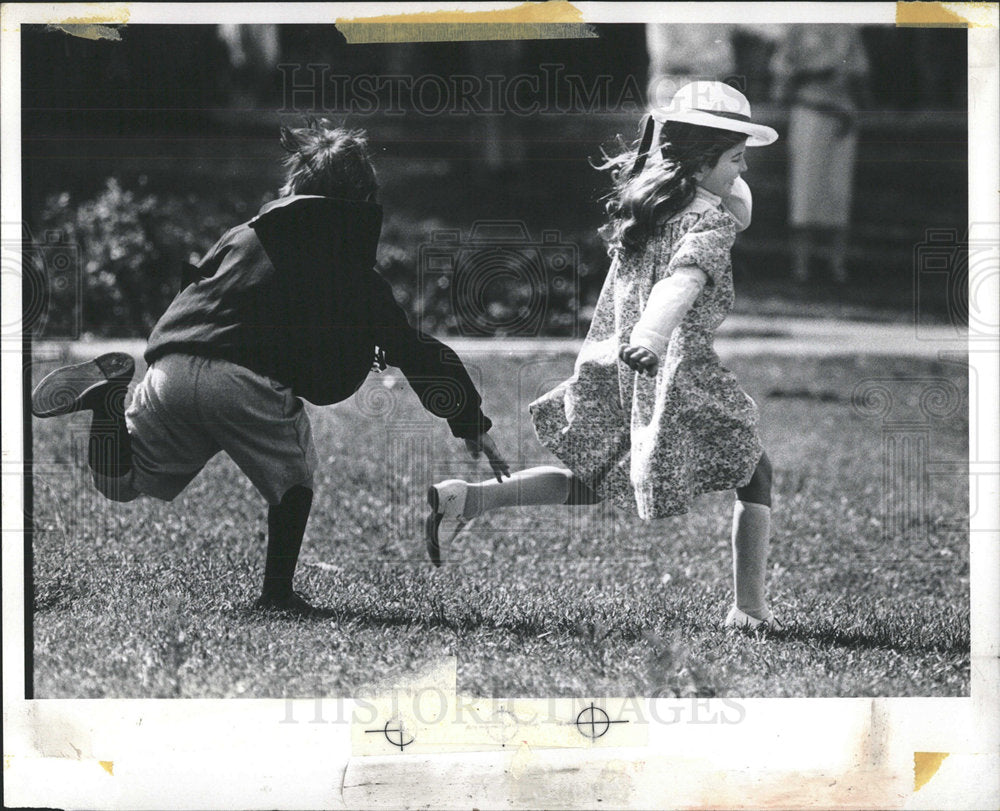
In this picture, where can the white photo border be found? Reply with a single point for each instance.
(220, 754)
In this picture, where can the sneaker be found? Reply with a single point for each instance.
(445, 521)
(293, 604)
(81, 386)
(742, 620)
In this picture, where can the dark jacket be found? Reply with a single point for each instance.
(292, 294)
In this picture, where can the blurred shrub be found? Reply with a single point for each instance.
(471, 286)
(132, 244)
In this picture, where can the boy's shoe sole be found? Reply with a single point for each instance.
(78, 387)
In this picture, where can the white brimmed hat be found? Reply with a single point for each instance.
(718, 105)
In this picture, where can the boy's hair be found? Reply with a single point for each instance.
(327, 160)
(636, 204)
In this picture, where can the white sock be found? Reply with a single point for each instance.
(534, 486)
(751, 541)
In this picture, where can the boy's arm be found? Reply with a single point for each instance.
(436, 373)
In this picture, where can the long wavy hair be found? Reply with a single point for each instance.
(328, 160)
(637, 203)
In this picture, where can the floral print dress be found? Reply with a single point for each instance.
(653, 445)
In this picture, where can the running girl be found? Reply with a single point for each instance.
(651, 419)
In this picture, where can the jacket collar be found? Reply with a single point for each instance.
(313, 200)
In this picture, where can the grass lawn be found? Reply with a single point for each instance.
(151, 600)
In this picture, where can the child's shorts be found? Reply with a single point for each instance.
(187, 409)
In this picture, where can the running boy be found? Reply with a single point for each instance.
(283, 307)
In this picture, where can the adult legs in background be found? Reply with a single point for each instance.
(822, 150)
(830, 243)
(802, 249)
(838, 255)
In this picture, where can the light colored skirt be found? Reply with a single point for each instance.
(822, 154)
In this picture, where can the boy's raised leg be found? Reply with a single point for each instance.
(110, 446)
(99, 385)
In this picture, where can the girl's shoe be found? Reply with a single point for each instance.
(445, 521)
(82, 385)
(742, 620)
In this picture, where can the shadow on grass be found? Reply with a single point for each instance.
(857, 639)
(59, 595)
(594, 632)
(523, 628)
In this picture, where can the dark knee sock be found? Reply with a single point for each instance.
(286, 524)
(752, 495)
(110, 447)
(758, 489)
(581, 493)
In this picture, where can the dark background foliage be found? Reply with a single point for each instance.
(140, 153)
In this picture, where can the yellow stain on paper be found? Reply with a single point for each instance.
(946, 15)
(98, 26)
(557, 19)
(108, 766)
(556, 11)
(925, 766)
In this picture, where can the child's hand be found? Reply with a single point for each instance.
(484, 444)
(640, 359)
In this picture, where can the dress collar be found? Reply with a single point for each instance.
(703, 201)
(707, 196)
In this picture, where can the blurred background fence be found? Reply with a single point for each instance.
(139, 153)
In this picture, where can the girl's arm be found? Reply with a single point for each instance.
(668, 303)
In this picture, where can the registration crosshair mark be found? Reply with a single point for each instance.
(401, 741)
(596, 719)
